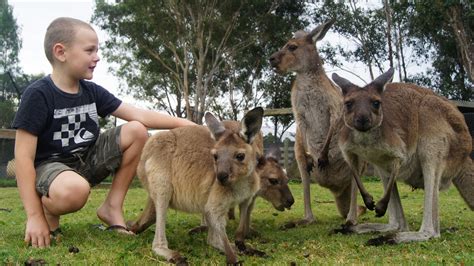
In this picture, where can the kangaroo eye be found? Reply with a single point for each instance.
(292, 47)
(376, 104)
(214, 154)
(273, 181)
(348, 105)
(240, 157)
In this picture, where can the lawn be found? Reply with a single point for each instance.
(312, 244)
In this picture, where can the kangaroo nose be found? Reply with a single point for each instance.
(222, 177)
(362, 120)
(273, 60)
(290, 201)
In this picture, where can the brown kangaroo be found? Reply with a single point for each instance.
(317, 104)
(199, 169)
(408, 133)
(273, 187)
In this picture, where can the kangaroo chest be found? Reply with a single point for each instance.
(311, 106)
(372, 148)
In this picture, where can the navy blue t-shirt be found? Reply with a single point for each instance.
(64, 123)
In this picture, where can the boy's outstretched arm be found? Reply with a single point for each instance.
(149, 118)
(37, 229)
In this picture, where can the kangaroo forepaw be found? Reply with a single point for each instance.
(380, 209)
(323, 162)
(369, 202)
(382, 240)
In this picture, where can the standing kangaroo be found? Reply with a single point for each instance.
(317, 104)
(200, 169)
(409, 133)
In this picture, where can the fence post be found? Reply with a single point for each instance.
(286, 144)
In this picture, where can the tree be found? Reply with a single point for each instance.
(363, 27)
(10, 44)
(461, 19)
(432, 36)
(190, 56)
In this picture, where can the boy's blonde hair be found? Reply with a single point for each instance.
(61, 30)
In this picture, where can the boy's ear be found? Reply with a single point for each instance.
(59, 52)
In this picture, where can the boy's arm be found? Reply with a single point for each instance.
(149, 118)
(37, 230)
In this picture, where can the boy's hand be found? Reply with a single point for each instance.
(37, 232)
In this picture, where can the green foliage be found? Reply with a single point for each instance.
(432, 38)
(206, 55)
(421, 34)
(308, 245)
(362, 26)
(10, 43)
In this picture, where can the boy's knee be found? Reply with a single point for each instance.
(136, 130)
(72, 195)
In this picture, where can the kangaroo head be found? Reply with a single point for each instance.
(363, 106)
(234, 156)
(299, 54)
(274, 183)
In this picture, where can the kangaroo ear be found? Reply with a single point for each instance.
(382, 80)
(343, 83)
(251, 124)
(320, 31)
(215, 126)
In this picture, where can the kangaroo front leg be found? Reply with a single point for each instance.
(217, 236)
(381, 206)
(357, 169)
(244, 229)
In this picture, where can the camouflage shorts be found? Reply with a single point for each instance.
(99, 161)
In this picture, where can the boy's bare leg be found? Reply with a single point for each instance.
(67, 193)
(133, 136)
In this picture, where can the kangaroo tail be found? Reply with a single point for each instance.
(465, 184)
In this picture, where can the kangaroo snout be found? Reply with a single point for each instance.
(289, 202)
(223, 177)
(362, 123)
(274, 60)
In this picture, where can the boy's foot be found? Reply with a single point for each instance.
(120, 229)
(114, 220)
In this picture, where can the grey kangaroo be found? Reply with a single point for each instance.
(411, 134)
(316, 104)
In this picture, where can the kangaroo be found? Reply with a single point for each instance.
(199, 169)
(316, 104)
(273, 187)
(411, 134)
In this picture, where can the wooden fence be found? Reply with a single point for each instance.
(7, 147)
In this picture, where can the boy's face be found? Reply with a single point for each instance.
(81, 55)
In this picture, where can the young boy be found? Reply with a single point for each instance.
(59, 151)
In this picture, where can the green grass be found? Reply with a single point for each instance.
(312, 244)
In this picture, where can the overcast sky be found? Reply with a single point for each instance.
(33, 17)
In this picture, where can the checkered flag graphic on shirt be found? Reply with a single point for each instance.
(69, 129)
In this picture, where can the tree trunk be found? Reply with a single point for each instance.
(463, 37)
(388, 16)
